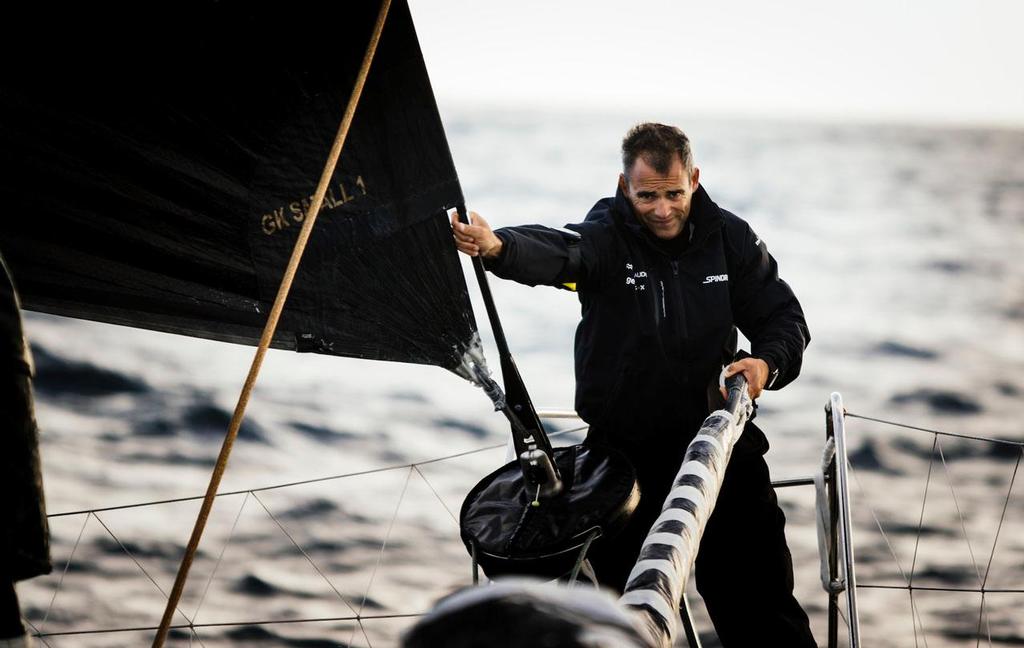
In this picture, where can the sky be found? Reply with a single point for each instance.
(939, 61)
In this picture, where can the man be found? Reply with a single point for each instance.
(665, 277)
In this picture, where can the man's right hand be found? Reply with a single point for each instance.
(475, 239)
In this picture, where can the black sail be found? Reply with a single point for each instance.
(158, 163)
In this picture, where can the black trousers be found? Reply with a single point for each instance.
(744, 569)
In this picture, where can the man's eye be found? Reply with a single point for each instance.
(645, 196)
(674, 195)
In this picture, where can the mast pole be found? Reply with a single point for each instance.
(515, 389)
(532, 445)
(270, 328)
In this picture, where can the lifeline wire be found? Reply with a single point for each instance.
(230, 624)
(983, 617)
(939, 432)
(193, 626)
(360, 618)
(303, 482)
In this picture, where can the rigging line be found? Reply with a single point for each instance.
(355, 628)
(878, 522)
(1002, 517)
(365, 636)
(995, 541)
(913, 616)
(216, 565)
(843, 617)
(959, 512)
(271, 325)
(196, 635)
(36, 634)
(436, 494)
(949, 434)
(231, 624)
(924, 502)
(67, 565)
(142, 569)
(137, 563)
(913, 607)
(304, 554)
(920, 619)
(360, 473)
(914, 611)
(383, 546)
(988, 624)
(923, 588)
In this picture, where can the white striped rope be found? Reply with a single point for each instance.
(658, 580)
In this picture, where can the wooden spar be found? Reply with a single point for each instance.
(658, 580)
(268, 330)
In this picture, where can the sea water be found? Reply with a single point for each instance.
(903, 243)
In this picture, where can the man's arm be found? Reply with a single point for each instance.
(528, 254)
(766, 311)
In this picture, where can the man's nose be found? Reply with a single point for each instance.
(663, 208)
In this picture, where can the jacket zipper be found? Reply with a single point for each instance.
(675, 274)
(677, 298)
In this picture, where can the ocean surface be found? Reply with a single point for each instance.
(904, 245)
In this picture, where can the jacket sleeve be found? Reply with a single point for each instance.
(535, 254)
(765, 308)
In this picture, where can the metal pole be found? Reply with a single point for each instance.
(520, 404)
(686, 613)
(846, 528)
(833, 544)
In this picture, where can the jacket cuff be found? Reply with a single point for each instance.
(774, 370)
(496, 262)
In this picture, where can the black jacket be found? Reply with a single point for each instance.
(659, 318)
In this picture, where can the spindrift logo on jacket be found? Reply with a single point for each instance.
(715, 278)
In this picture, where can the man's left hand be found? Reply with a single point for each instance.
(755, 370)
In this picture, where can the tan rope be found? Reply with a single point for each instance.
(268, 330)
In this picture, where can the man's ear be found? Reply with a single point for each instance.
(623, 183)
(695, 178)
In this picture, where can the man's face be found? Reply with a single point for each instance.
(661, 201)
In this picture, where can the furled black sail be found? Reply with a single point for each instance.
(158, 165)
